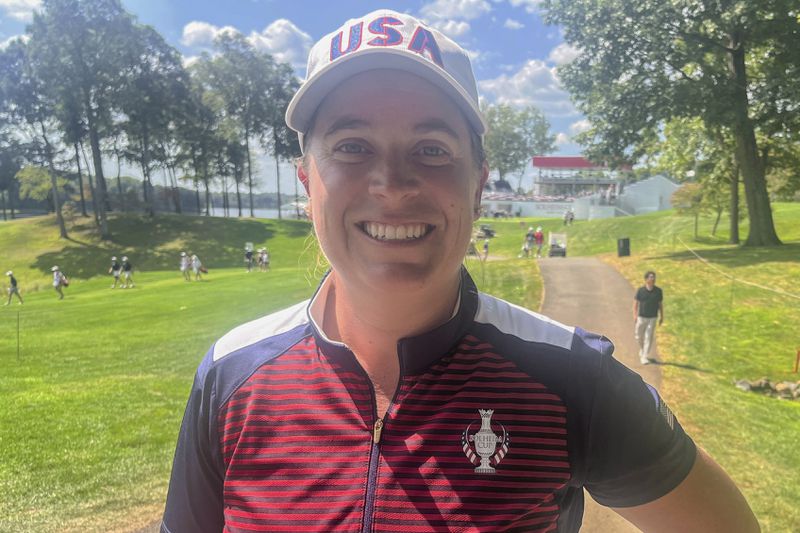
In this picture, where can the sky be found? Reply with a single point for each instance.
(514, 53)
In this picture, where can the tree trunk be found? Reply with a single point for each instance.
(249, 170)
(734, 238)
(3, 199)
(197, 196)
(696, 216)
(62, 228)
(97, 159)
(12, 192)
(149, 201)
(80, 180)
(239, 199)
(208, 199)
(92, 189)
(716, 222)
(277, 169)
(762, 227)
(119, 186)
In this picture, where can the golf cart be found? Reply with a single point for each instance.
(557, 245)
(485, 231)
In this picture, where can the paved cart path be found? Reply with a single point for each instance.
(585, 292)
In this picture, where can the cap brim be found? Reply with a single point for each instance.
(308, 98)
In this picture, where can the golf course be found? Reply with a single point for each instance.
(94, 385)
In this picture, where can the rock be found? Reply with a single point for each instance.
(785, 386)
(743, 384)
(762, 384)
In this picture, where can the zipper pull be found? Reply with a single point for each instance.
(376, 431)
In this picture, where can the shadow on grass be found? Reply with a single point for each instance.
(739, 256)
(155, 243)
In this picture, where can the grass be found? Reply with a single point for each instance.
(717, 330)
(93, 403)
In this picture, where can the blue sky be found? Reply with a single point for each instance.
(514, 53)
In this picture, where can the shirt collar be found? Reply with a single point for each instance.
(416, 353)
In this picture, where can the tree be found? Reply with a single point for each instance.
(156, 82)
(514, 136)
(643, 62)
(281, 141)
(10, 159)
(82, 48)
(688, 200)
(242, 77)
(687, 150)
(25, 100)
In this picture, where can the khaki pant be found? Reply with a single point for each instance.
(644, 332)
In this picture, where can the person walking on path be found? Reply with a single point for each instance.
(248, 259)
(127, 273)
(185, 267)
(648, 307)
(527, 243)
(12, 288)
(59, 280)
(115, 269)
(427, 404)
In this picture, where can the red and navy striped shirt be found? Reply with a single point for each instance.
(501, 418)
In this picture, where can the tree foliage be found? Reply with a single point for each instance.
(644, 62)
(514, 136)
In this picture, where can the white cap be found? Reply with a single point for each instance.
(183, 254)
(385, 39)
(114, 258)
(538, 228)
(124, 257)
(9, 273)
(54, 268)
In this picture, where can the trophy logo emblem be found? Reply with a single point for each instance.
(484, 443)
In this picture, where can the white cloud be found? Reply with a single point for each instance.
(580, 126)
(530, 6)
(452, 28)
(512, 24)
(458, 9)
(284, 41)
(25, 38)
(535, 83)
(281, 39)
(188, 61)
(562, 139)
(563, 53)
(202, 34)
(20, 9)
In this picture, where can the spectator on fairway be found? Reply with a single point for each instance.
(399, 397)
(485, 249)
(185, 266)
(248, 259)
(527, 244)
(115, 269)
(59, 281)
(264, 259)
(197, 268)
(648, 307)
(12, 288)
(127, 273)
(538, 239)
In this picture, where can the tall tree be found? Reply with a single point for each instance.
(280, 141)
(25, 99)
(242, 76)
(514, 136)
(642, 62)
(82, 47)
(156, 80)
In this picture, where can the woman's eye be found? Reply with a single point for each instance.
(350, 148)
(432, 151)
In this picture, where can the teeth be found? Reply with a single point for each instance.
(387, 232)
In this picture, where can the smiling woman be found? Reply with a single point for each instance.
(399, 397)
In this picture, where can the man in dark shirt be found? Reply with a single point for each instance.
(12, 287)
(648, 306)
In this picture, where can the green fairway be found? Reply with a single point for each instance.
(94, 401)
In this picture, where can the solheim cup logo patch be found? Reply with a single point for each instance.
(485, 443)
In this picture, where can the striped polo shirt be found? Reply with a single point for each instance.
(502, 417)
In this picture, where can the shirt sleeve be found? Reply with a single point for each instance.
(637, 451)
(195, 499)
